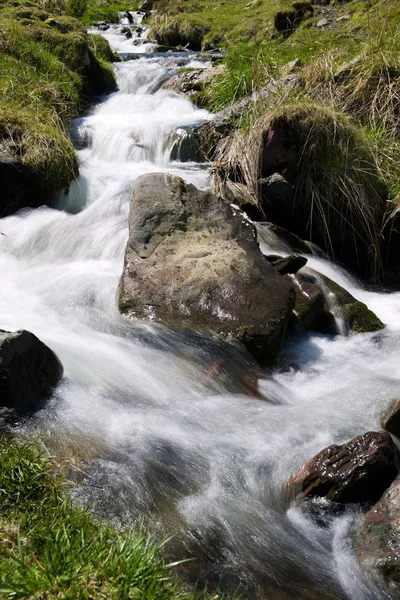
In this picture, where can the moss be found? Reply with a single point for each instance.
(101, 49)
(360, 319)
(100, 76)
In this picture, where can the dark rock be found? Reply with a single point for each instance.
(127, 32)
(356, 472)
(185, 146)
(101, 25)
(377, 539)
(285, 22)
(287, 264)
(275, 235)
(129, 16)
(390, 420)
(358, 318)
(15, 182)
(28, 371)
(311, 311)
(275, 189)
(193, 264)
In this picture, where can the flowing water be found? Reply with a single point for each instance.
(151, 436)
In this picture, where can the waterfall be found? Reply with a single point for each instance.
(205, 465)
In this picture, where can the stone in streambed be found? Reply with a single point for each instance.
(287, 264)
(356, 472)
(311, 311)
(390, 420)
(193, 263)
(376, 539)
(28, 370)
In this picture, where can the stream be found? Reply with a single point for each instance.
(147, 437)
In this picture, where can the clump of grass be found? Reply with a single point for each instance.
(175, 33)
(339, 193)
(107, 10)
(51, 549)
(43, 74)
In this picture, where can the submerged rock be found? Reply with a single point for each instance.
(28, 370)
(193, 263)
(377, 539)
(356, 472)
(358, 318)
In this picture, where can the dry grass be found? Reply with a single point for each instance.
(338, 186)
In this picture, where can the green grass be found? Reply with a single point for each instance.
(42, 78)
(107, 11)
(50, 549)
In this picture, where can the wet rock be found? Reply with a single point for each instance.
(193, 263)
(390, 420)
(356, 472)
(185, 146)
(377, 539)
(127, 32)
(311, 311)
(279, 236)
(287, 264)
(28, 370)
(358, 318)
(101, 25)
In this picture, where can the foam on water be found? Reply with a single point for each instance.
(211, 468)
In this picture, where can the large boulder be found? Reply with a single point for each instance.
(193, 263)
(377, 539)
(28, 370)
(356, 472)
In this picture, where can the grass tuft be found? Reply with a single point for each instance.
(50, 549)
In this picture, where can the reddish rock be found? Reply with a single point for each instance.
(356, 472)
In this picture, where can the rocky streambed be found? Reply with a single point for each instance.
(206, 360)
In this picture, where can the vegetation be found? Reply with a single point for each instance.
(107, 10)
(51, 549)
(43, 75)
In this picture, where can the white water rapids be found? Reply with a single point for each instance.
(210, 469)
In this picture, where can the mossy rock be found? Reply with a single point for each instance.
(175, 33)
(102, 49)
(360, 319)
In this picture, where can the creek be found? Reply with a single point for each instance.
(150, 441)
